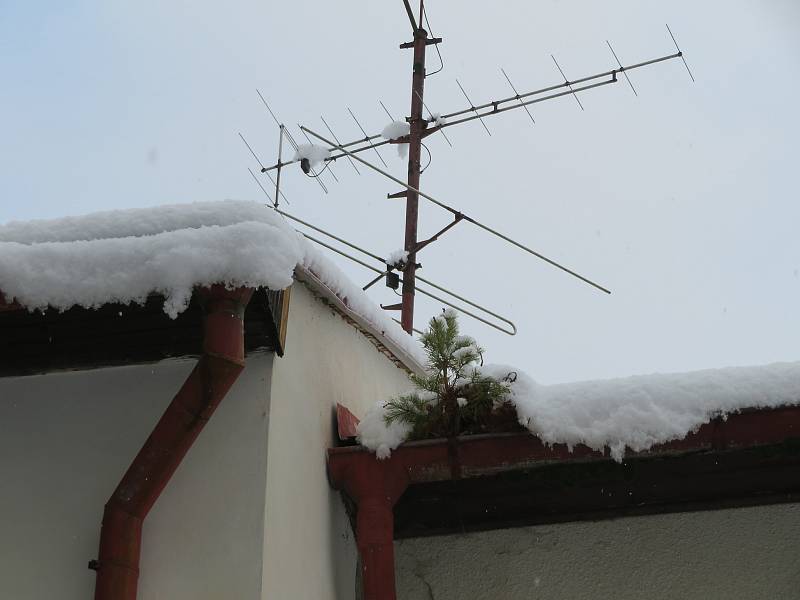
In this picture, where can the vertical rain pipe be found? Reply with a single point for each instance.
(375, 486)
(222, 360)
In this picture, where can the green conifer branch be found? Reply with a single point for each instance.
(453, 397)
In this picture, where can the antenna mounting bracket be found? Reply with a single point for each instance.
(428, 42)
(392, 280)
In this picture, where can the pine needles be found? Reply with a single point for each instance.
(453, 398)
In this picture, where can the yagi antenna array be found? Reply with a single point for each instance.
(421, 127)
(494, 107)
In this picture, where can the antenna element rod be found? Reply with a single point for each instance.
(566, 81)
(513, 89)
(266, 193)
(280, 158)
(680, 53)
(328, 127)
(410, 15)
(621, 68)
(366, 137)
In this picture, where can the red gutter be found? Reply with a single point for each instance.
(376, 485)
(218, 368)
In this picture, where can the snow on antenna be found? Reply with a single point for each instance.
(420, 127)
(283, 132)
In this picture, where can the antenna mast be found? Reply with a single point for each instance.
(417, 126)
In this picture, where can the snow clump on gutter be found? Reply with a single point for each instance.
(633, 413)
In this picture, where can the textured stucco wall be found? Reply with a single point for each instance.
(65, 441)
(309, 549)
(747, 554)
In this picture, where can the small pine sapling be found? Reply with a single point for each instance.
(453, 397)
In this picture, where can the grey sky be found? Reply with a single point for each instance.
(684, 201)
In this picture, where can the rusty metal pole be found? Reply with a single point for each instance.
(414, 157)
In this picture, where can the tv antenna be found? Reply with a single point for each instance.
(411, 133)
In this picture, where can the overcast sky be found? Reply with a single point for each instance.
(683, 200)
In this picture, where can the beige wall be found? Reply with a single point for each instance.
(65, 441)
(746, 554)
(67, 438)
(309, 549)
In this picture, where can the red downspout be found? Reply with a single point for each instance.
(375, 486)
(222, 360)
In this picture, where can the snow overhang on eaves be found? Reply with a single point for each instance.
(79, 338)
(121, 257)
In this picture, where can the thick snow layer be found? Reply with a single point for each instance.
(122, 256)
(635, 412)
(375, 434)
(396, 256)
(125, 255)
(132, 222)
(315, 154)
(395, 129)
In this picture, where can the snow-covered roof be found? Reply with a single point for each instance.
(123, 256)
(634, 412)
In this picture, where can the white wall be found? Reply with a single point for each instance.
(67, 438)
(309, 548)
(203, 538)
(747, 554)
(65, 441)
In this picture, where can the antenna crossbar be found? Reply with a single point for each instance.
(497, 109)
(512, 331)
(455, 212)
(374, 256)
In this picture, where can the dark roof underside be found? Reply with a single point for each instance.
(494, 481)
(117, 334)
(602, 489)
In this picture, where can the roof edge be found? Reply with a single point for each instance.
(484, 454)
(379, 339)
